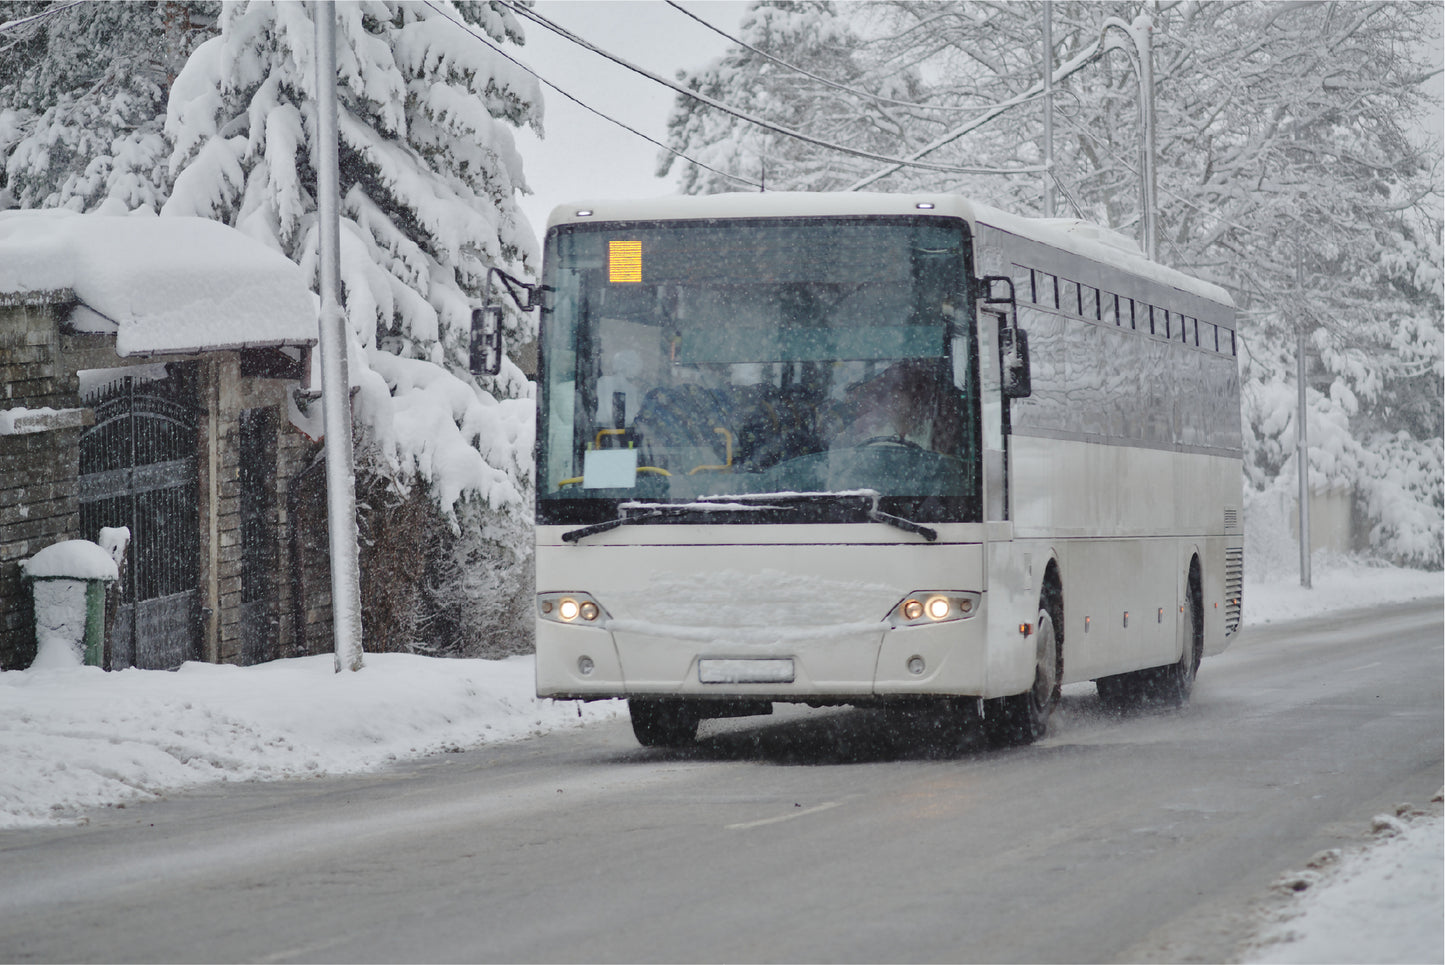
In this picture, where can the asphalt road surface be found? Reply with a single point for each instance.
(798, 837)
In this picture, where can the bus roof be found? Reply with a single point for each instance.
(1079, 237)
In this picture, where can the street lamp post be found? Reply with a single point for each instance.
(335, 380)
(1141, 35)
(1049, 205)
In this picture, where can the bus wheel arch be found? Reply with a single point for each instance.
(1023, 718)
(1177, 680)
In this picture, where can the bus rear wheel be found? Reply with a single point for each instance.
(1175, 682)
(1023, 718)
(663, 722)
(1172, 684)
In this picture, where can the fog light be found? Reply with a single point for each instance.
(916, 665)
(912, 610)
(588, 610)
(938, 607)
(567, 610)
(585, 666)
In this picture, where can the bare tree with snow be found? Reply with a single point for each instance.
(1294, 169)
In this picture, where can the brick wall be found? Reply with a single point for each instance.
(39, 463)
(39, 485)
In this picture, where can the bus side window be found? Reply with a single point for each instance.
(1109, 307)
(1069, 296)
(1046, 292)
(1089, 301)
(1023, 283)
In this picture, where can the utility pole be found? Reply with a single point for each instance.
(335, 381)
(1303, 458)
(1049, 203)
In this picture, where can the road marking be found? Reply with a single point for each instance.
(746, 825)
(1365, 667)
(301, 951)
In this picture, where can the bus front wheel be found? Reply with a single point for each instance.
(660, 722)
(1023, 718)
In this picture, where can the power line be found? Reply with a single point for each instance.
(734, 112)
(585, 106)
(1080, 60)
(877, 98)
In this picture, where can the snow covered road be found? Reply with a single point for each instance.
(1145, 838)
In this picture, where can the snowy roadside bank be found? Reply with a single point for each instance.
(77, 737)
(1379, 902)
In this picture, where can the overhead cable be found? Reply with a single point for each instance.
(734, 112)
(877, 98)
(585, 106)
(1082, 59)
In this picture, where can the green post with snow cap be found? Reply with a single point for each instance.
(68, 581)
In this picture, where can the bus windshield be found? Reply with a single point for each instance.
(695, 359)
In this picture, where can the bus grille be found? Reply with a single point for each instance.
(1233, 587)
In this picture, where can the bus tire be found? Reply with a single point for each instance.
(1174, 683)
(660, 722)
(1170, 685)
(1023, 718)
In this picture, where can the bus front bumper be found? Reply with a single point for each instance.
(843, 664)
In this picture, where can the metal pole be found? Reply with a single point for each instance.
(335, 382)
(1143, 34)
(1049, 203)
(1302, 369)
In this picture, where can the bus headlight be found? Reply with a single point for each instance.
(577, 608)
(927, 607)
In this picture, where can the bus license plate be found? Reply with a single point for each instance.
(746, 671)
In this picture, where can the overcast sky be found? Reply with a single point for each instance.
(583, 156)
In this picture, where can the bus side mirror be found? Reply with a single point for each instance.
(486, 351)
(997, 289)
(1014, 347)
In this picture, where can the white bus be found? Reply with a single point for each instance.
(897, 450)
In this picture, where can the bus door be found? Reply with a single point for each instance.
(995, 415)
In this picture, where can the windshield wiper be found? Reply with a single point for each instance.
(866, 499)
(704, 504)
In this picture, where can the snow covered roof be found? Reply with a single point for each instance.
(163, 285)
(1079, 237)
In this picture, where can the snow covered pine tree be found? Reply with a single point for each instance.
(81, 116)
(429, 179)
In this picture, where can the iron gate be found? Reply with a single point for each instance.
(138, 469)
